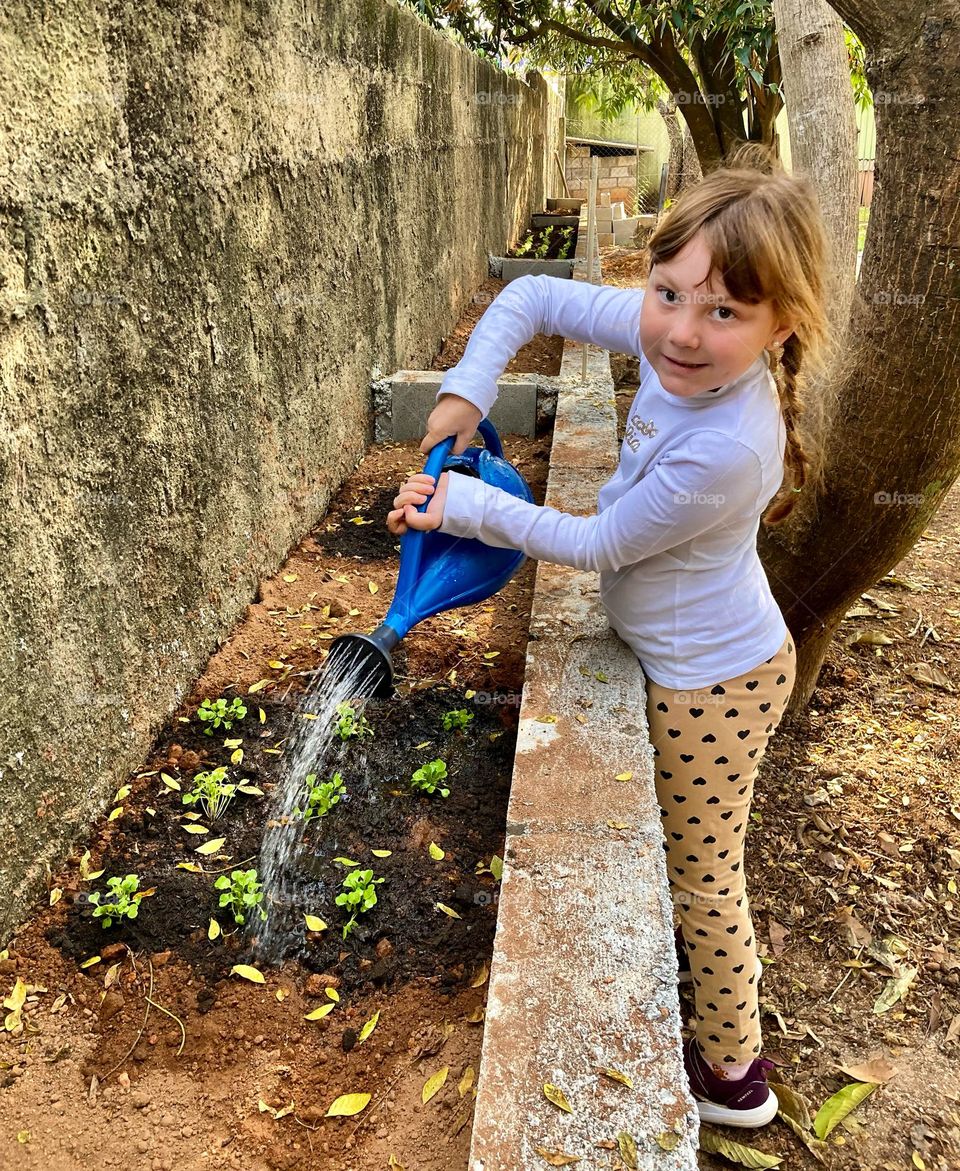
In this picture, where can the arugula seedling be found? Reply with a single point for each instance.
(428, 776)
(358, 895)
(320, 798)
(218, 713)
(126, 901)
(457, 718)
(351, 724)
(211, 792)
(242, 893)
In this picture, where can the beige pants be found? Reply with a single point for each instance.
(707, 746)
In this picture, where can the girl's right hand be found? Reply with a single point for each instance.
(452, 415)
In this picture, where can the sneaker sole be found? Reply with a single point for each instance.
(686, 976)
(719, 1115)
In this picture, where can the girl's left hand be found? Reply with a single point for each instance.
(418, 488)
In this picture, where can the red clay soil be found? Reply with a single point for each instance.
(542, 355)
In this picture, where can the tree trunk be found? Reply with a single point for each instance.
(894, 442)
(668, 112)
(823, 131)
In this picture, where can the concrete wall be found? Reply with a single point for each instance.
(215, 220)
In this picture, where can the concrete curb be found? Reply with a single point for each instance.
(584, 973)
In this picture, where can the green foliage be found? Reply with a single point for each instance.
(242, 893)
(125, 900)
(428, 777)
(320, 798)
(544, 246)
(456, 718)
(358, 895)
(218, 713)
(351, 725)
(524, 248)
(212, 792)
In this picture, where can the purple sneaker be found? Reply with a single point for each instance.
(748, 1101)
(684, 974)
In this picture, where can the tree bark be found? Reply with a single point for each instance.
(823, 131)
(668, 112)
(894, 442)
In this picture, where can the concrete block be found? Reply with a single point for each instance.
(605, 239)
(550, 221)
(567, 205)
(617, 210)
(603, 198)
(402, 413)
(508, 269)
(623, 230)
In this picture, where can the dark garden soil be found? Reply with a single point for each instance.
(541, 355)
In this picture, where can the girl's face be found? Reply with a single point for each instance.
(695, 336)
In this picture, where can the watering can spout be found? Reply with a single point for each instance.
(437, 571)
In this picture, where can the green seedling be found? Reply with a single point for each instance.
(350, 724)
(358, 896)
(126, 900)
(242, 893)
(458, 718)
(320, 798)
(544, 246)
(427, 777)
(524, 248)
(218, 713)
(211, 791)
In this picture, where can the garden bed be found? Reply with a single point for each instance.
(546, 243)
(541, 355)
(218, 1071)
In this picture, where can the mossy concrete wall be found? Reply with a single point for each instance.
(214, 224)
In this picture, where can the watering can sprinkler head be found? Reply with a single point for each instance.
(368, 657)
(437, 571)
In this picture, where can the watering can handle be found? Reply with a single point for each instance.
(437, 456)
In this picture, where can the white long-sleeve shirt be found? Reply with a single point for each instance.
(675, 535)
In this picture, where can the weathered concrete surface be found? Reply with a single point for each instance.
(508, 268)
(584, 972)
(214, 222)
(412, 394)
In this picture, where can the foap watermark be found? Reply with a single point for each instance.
(96, 298)
(897, 297)
(497, 698)
(695, 97)
(697, 699)
(911, 498)
(297, 297)
(715, 499)
(485, 97)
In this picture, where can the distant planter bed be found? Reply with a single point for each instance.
(546, 243)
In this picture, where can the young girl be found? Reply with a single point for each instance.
(737, 271)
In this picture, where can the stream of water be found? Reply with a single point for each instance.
(312, 749)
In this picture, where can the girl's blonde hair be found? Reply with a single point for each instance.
(767, 238)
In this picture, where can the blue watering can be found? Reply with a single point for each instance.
(437, 572)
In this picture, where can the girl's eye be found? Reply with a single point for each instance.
(668, 296)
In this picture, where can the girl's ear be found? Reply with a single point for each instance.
(782, 334)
